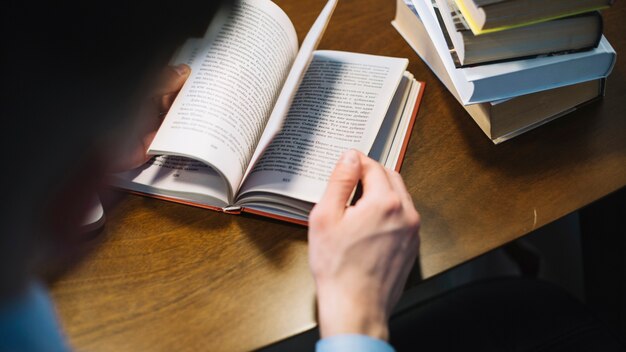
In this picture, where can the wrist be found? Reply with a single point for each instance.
(339, 313)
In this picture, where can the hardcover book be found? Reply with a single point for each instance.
(504, 80)
(556, 37)
(488, 16)
(504, 119)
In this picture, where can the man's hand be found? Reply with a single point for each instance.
(361, 255)
(152, 113)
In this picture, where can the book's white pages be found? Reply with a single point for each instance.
(388, 148)
(340, 105)
(231, 91)
(296, 74)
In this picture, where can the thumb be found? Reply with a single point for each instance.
(342, 182)
(171, 81)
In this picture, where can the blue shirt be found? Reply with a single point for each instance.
(352, 343)
(28, 323)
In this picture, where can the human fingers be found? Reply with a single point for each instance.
(375, 180)
(397, 183)
(171, 81)
(340, 186)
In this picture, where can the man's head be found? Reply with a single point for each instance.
(74, 73)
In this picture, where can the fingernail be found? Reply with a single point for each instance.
(182, 69)
(349, 157)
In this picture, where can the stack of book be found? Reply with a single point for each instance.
(513, 64)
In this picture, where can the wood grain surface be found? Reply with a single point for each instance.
(164, 277)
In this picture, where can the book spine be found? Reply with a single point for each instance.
(600, 28)
(602, 88)
(234, 210)
(169, 199)
(409, 131)
(274, 216)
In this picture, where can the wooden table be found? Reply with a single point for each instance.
(171, 277)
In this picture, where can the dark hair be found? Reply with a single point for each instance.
(72, 71)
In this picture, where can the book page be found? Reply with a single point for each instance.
(390, 127)
(176, 177)
(221, 111)
(339, 105)
(187, 53)
(387, 149)
(300, 65)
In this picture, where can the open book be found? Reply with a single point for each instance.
(259, 124)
